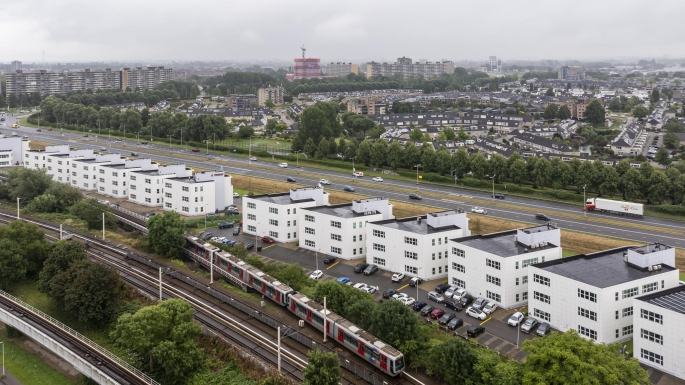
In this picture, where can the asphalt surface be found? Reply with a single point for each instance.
(388, 189)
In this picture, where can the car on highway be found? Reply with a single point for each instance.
(236, 230)
(543, 329)
(360, 267)
(343, 280)
(324, 181)
(358, 174)
(426, 310)
(443, 287)
(283, 165)
(497, 196)
(348, 189)
(489, 308)
(290, 179)
(370, 269)
(389, 293)
(480, 303)
(316, 274)
(542, 217)
(134, 154)
(39, 130)
(26, 136)
(452, 304)
(195, 150)
(415, 196)
(474, 331)
(236, 195)
(253, 159)
(418, 305)
(415, 281)
(447, 317)
(515, 319)
(225, 225)
(478, 210)
(397, 277)
(475, 313)
(433, 296)
(529, 324)
(15, 134)
(103, 148)
(377, 179)
(406, 301)
(268, 239)
(14, 125)
(455, 323)
(437, 313)
(329, 260)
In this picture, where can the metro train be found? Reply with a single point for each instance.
(383, 356)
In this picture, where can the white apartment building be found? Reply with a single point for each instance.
(339, 230)
(276, 215)
(205, 192)
(113, 179)
(417, 246)
(594, 293)
(659, 330)
(11, 150)
(86, 171)
(147, 186)
(496, 266)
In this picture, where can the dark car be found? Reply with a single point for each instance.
(290, 179)
(474, 331)
(370, 269)
(447, 317)
(437, 313)
(225, 225)
(143, 142)
(455, 323)
(452, 304)
(195, 150)
(543, 329)
(236, 230)
(329, 260)
(134, 154)
(249, 246)
(417, 306)
(267, 239)
(415, 196)
(466, 299)
(415, 281)
(207, 236)
(389, 293)
(39, 130)
(360, 267)
(442, 287)
(497, 196)
(480, 303)
(542, 217)
(427, 310)
(348, 188)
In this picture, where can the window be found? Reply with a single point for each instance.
(309, 243)
(587, 313)
(458, 267)
(186, 209)
(148, 181)
(251, 205)
(354, 225)
(458, 282)
(653, 357)
(309, 230)
(411, 269)
(354, 238)
(166, 195)
(273, 234)
(185, 189)
(633, 291)
(493, 264)
(583, 331)
(336, 237)
(494, 280)
(252, 217)
(651, 316)
(337, 225)
(527, 262)
(167, 185)
(646, 334)
(409, 254)
(379, 234)
(650, 287)
(309, 218)
(252, 228)
(114, 183)
(541, 280)
(133, 177)
(542, 314)
(167, 204)
(494, 296)
(627, 312)
(336, 250)
(525, 295)
(185, 199)
(432, 242)
(525, 279)
(458, 252)
(379, 261)
(149, 191)
(378, 247)
(627, 330)
(273, 210)
(103, 189)
(411, 241)
(517, 264)
(587, 295)
(273, 222)
(148, 200)
(541, 297)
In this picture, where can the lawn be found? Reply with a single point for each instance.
(567, 253)
(682, 276)
(28, 368)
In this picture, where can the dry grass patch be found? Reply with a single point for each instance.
(38, 145)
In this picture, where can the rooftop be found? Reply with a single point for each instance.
(190, 180)
(417, 225)
(503, 244)
(671, 299)
(279, 198)
(343, 210)
(601, 269)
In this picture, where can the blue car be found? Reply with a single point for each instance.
(343, 280)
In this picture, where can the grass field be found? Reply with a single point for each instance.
(29, 368)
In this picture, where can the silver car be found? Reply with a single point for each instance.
(529, 325)
(435, 297)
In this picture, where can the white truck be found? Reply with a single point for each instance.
(615, 207)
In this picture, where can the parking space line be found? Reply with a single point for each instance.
(332, 265)
(402, 287)
(489, 318)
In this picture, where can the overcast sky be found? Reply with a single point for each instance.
(162, 30)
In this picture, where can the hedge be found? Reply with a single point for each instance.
(668, 209)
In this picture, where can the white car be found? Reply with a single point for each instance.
(283, 165)
(316, 274)
(479, 210)
(358, 174)
(475, 313)
(407, 301)
(377, 179)
(253, 159)
(490, 308)
(324, 181)
(399, 296)
(397, 277)
(371, 289)
(360, 286)
(458, 294)
(236, 195)
(515, 319)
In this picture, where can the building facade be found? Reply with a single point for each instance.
(204, 193)
(571, 73)
(59, 83)
(405, 67)
(12, 150)
(337, 70)
(144, 78)
(147, 186)
(276, 95)
(307, 68)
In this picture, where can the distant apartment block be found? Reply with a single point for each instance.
(571, 73)
(144, 78)
(59, 83)
(241, 102)
(367, 106)
(15, 65)
(274, 93)
(405, 67)
(337, 70)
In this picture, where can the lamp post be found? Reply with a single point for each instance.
(584, 202)
(518, 328)
(138, 137)
(170, 143)
(18, 199)
(454, 172)
(3, 358)
(297, 159)
(493, 186)
(417, 286)
(98, 128)
(417, 177)
(207, 141)
(205, 216)
(317, 259)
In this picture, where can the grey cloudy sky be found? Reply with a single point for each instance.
(149, 30)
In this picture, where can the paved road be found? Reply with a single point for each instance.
(389, 189)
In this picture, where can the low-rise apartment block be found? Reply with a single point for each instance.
(11, 150)
(275, 94)
(200, 194)
(147, 186)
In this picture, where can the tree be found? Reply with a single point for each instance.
(443, 160)
(564, 113)
(615, 104)
(92, 293)
(90, 211)
(323, 148)
(449, 133)
(309, 147)
(551, 111)
(163, 338)
(145, 116)
(364, 152)
(31, 240)
(412, 155)
(671, 140)
(518, 173)
(270, 103)
(654, 96)
(673, 125)
(323, 368)
(659, 187)
(245, 132)
(662, 157)
(585, 176)
(479, 166)
(452, 359)
(609, 182)
(12, 264)
(26, 183)
(568, 358)
(640, 112)
(550, 92)
(393, 322)
(542, 173)
(60, 257)
(416, 134)
(492, 369)
(462, 135)
(379, 152)
(395, 154)
(630, 184)
(594, 113)
(498, 167)
(165, 234)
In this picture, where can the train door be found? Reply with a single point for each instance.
(249, 277)
(384, 362)
(360, 347)
(293, 308)
(309, 315)
(328, 326)
(263, 287)
(240, 274)
(341, 335)
(277, 296)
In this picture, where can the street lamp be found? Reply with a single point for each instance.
(493, 186)
(170, 143)
(207, 141)
(297, 154)
(317, 259)
(417, 177)
(518, 328)
(454, 172)
(417, 285)
(18, 199)
(584, 202)
(3, 358)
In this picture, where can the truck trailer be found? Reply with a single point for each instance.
(615, 207)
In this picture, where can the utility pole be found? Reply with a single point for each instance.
(18, 207)
(103, 225)
(160, 283)
(279, 351)
(324, 319)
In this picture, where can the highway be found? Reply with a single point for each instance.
(566, 216)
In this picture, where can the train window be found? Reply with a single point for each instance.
(369, 351)
(399, 364)
(301, 309)
(350, 340)
(223, 262)
(270, 291)
(256, 281)
(318, 319)
(235, 269)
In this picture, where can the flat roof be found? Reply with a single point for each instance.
(412, 225)
(343, 210)
(279, 198)
(190, 179)
(601, 269)
(671, 299)
(502, 244)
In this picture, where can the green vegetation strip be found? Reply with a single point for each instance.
(28, 368)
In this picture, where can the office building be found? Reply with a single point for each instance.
(494, 64)
(144, 78)
(241, 102)
(276, 95)
(59, 83)
(405, 67)
(337, 70)
(366, 106)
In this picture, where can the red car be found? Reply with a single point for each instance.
(437, 313)
(267, 239)
(196, 150)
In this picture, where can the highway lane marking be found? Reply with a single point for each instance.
(402, 287)
(332, 265)
(482, 323)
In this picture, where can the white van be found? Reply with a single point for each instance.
(283, 165)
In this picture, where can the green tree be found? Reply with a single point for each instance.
(245, 132)
(518, 172)
(395, 154)
(479, 166)
(355, 305)
(90, 211)
(92, 293)
(323, 148)
(492, 369)
(379, 152)
(551, 111)
(671, 140)
(630, 184)
(640, 112)
(144, 117)
(364, 152)
(61, 256)
(323, 368)
(449, 133)
(550, 92)
(615, 104)
(673, 125)
(462, 135)
(416, 134)
(31, 240)
(564, 113)
(270, 103)
(309, 147)
(542, 173)
(163, 338)
(498, 167)
(654, 96)
(568, 358)
(165, 234)
(609, 182)
(585, 176)
(13, 266)
(594, 113)
(26, 183)
(412, 155)
(393, 322)
(662, 157)
(659, 187)
(453, 360)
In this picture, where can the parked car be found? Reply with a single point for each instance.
(370, 269)
(268, 239)
(441, 288)
(225, 225)
(474, 331)
(360, 267)
(399, 295)
(290, 179)
(195, 150)
(377, 179)
(415, 196)
(329, 260)
(316, 274)
(450, 291)
(489, 308)
(232, 210)
(415, 281)
(447, 317)
(418, 305)
(480, 303)
(433, 296)
(249, 246)
(371, 289)
(437, 313)
(529, 325)
(283, 165)
(543, 329)
(397, 277)
(458, 294)
(134, 154)
(426, 310)
(343, 280)
(207, 236)
(478, 210)
(389, 293)
(497, 196)
(407, 301)
(348, 189)
(324, 181)
(236, 195)
(466, 299)
(452, 304)
(542, 217)
(236, 230)
(515, 319)
(475, 313)
(455, 323)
